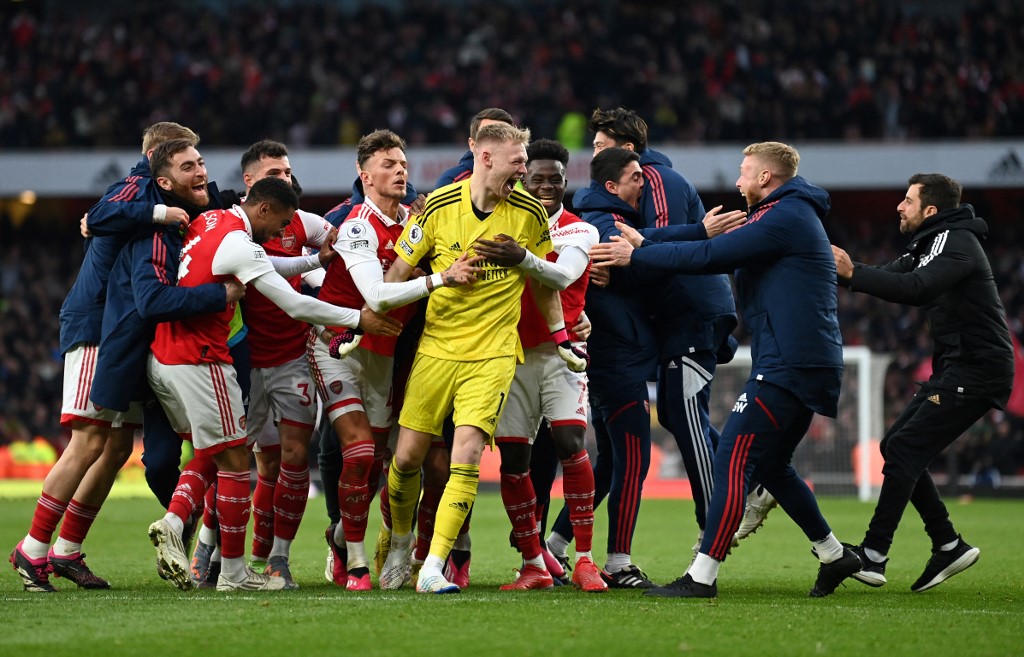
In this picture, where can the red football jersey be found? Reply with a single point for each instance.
(274, 337)
(365, 235)
(566, 230)
(218, 245)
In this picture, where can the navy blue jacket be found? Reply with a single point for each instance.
(689, 312)
(142, 293)
(785, 279)
(622, 343)
(461, 171)
(126, 206)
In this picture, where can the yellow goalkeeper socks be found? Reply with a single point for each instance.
(457, 500)
(403, 494)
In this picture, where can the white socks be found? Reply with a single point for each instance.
(829, 548)
(704, 569)
(282, 548)
(207, 535)
(617, 561)
(874, 555)
(558, 544)
(34, 549)
(64, 548)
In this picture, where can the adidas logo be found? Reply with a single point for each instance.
(459, 506)
(1009, 167)
(741, 404)
(455, 247)
(390, 246)
(935, 399)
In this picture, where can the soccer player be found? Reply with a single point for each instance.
(356, 390)
(945, 270)
(543, 389)
(469, 349)
(282, 390)
(329, 460)
(435, 466)
(190, 372)
(101, 439)
(692, 315)
(797, 354)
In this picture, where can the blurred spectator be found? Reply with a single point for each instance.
(700, 71)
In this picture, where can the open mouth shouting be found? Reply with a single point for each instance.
(510, 184)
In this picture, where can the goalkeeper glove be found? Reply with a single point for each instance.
(345, 342)
(574, 355)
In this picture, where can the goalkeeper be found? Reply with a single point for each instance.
(468, 353)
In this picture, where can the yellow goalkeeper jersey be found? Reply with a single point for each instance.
(468, 324)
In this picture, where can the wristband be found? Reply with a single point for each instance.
(559, 336)
(434, 281)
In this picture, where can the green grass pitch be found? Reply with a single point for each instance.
(762, 608)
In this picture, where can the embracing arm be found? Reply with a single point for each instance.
(153, 285)
(901, 282)
(289, 266)
(301, 307)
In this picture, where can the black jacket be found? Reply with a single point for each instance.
(947, 272)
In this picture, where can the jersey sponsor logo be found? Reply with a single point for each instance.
(335, 387)
(544, 237)
(354, 230)
(415, 234)
(741, 404)
(492, 274)
(355, 245)
(405, 247)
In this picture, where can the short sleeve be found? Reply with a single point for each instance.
(416, 241)
(357, 242)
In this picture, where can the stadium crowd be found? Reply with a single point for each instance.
(699, 71)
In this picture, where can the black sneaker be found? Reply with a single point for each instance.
(945, 564)
(830, 575)
(35, 573)
(684, 587)
(631, 577)
(73, 569)
(871, 572)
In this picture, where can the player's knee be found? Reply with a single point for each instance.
(515, 458)
(568, 441)
(294, 454)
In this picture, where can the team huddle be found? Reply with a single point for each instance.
(460, 318)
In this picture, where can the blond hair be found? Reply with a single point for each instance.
(503, 132)
(783, 158)
(158, 133)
